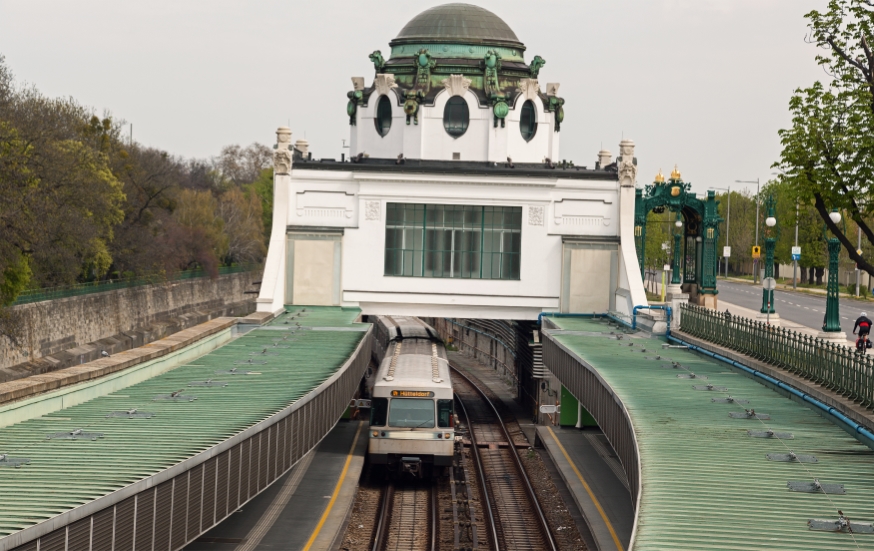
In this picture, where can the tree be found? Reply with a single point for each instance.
(242, 225)
(240, 166)
(263, 188)
(827, 152)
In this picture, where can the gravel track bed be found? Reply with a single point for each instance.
(561, 523)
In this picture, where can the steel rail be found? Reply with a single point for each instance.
(384, 517)
(544, 525)
(484, 494)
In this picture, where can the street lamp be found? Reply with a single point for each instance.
(755, 260)
(675, 277)
(770, 242)
(794, 257)
(727, 222)
(832, 312)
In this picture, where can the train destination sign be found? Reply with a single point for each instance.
(412, 394)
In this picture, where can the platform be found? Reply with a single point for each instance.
(710, 475)
(594, 476)
(308, 506)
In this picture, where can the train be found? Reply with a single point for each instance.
(412, 416)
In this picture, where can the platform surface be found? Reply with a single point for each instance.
(594, 476)
(286, 515)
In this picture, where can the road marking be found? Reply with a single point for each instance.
(336, 490)
(815, 310)
(588, 491)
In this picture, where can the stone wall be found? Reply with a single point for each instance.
(69, 331)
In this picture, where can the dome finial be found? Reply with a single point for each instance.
(660, 178)
(675, 175)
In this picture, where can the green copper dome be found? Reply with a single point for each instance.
(458, 24)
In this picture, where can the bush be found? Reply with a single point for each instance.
(863, 291)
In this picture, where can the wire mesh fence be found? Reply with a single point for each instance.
(76, 289)
(836, 367)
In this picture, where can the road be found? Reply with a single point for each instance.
(802, 308)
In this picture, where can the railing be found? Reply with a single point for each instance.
(76, 289)
(835, 367)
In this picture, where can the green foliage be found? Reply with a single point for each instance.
(16, 276)
(827, 158)
(263, 188)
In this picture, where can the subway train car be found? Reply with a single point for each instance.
(412, 422)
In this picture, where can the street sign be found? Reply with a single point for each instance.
(769, 284)
(550, 409)
(859, 252)
(667, 267)
(796, 251)
(796, 257)
(757, 252)
(726, 252)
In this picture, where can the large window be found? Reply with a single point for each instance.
(383, 115)
(528, 120)
(453, 241)
(456, 116)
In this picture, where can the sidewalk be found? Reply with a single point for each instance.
(787, 287)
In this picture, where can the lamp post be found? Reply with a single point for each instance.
(755, 260)
(675, 277)
(832, 311)
(770, 242)
(727, 222)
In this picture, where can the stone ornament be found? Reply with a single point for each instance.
(384, 83)
(371, 210)
(282, 155)
(535, 216)
(529, 88)
(626, 164)
(358, 83)
(456, 85)
(552, 88)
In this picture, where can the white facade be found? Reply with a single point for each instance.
(327, 243)
(483, 141)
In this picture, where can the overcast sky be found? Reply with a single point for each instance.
(701, 83)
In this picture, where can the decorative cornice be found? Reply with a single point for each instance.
(456, 85)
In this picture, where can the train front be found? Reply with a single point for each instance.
(412, 422)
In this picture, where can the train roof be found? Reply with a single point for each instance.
(407, 327)
(414, 370)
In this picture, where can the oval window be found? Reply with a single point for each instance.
(528, 121)
(456, 116)
(382, 120)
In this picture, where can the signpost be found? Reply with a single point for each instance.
(769, 284)
(726, 253)
(665, 270)
(796, 253)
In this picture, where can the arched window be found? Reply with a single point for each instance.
(528, 121)
(382, 120)
(456, 116)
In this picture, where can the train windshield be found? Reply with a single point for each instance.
(378, 411)
(411, 413)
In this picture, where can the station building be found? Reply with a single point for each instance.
(453, 201)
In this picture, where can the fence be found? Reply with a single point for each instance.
(835, 367)
(76, 289)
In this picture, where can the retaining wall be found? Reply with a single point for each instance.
(68, 331)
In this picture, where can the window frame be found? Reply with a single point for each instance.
(456, 130)
(531, 110)
(379, 118)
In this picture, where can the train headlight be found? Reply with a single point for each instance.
(446, 435)
(375, 433)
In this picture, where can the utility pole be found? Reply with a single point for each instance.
(795, 262)
(858, 249)
(727, 223)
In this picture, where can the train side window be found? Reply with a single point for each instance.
(378, 412)
(444, 413)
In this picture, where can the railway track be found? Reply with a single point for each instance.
(514, 519)
(407, 519)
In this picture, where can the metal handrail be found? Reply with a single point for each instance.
(837, 368)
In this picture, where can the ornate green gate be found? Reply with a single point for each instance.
(700, 229)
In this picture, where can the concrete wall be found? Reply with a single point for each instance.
(64, 332)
